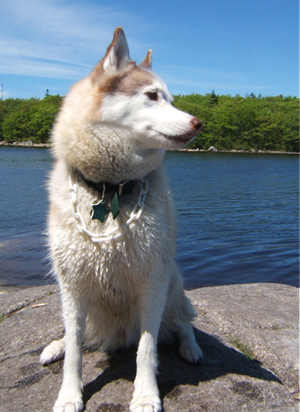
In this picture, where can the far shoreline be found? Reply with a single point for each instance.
(211, 150)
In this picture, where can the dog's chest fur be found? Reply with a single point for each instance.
(104, 268)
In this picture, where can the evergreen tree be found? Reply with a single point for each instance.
(213, 101)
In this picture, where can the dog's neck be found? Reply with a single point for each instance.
(121, 158)
(121, 188)
(118, 160)
(104, 154)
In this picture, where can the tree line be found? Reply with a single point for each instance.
(244, 123)
(28, 119)
(230, 123)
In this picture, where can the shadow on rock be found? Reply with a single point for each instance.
(173, 371)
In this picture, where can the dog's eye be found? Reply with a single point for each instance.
(152, 95)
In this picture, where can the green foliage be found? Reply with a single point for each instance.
(32, 119)
(260, 123)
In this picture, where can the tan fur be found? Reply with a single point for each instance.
(147, 62)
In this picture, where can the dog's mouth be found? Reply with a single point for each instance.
(179, 140)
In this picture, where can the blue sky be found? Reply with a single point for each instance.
(231, 46)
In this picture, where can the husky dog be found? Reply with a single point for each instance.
(112, 225)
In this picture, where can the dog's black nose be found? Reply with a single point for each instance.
(196, 124)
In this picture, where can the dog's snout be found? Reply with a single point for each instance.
(196, 124)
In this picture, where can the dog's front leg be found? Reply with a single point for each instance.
(146, 395)
(70, 395)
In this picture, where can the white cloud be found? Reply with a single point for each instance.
(55, 38)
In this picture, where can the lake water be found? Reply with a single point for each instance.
(237, 217)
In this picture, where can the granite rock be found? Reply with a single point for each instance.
(248, 333)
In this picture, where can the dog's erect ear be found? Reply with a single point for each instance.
(146, 63)
(117, 54)
(116, 57)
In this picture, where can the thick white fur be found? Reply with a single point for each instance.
(125, 291)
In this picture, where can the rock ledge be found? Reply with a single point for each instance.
(248, 333)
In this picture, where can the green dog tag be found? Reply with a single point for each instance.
(99, 211)
(115, 205)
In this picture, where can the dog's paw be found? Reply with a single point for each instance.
(190, 351)
(68, 404)
(146, 404)
(53, 352)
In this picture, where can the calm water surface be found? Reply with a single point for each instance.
(237, 217)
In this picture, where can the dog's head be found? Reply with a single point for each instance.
(135, 99)
(122, 108)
